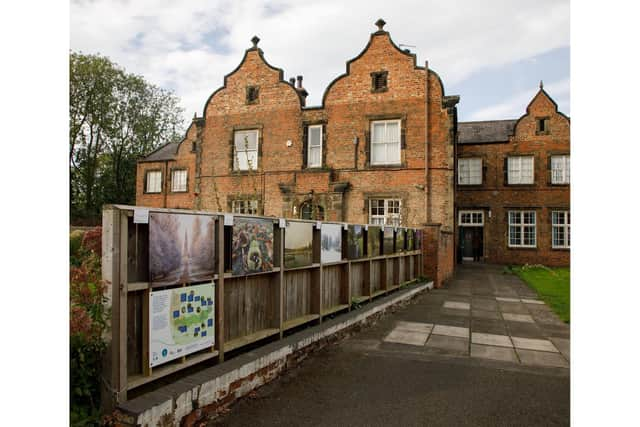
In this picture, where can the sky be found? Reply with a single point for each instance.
(492, 53)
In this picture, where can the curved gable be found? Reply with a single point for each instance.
(540, 106)
(375, 53)
(253, 70)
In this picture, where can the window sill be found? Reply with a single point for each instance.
(558, 184)
(245, 172)
(521, 248)
(179, 192)
(521, 185)
(387, 166)
(471, 185)
(560, 249)
(152, 192)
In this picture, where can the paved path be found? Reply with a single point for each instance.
(482, 351)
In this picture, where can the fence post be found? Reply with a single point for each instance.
(123, 291)
(280, 291)
(111, 278)
(219, 289)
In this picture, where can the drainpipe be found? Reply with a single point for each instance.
(427, 148)
(166, 183)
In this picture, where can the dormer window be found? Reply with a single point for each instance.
(542, 125)
(252, 94)
(379, 81)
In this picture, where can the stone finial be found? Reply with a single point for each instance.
(380, 24)
(255, 40)
(541, 85)
(195, 115)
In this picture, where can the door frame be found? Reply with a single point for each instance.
(470, 220)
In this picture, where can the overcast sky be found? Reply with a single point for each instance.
(492, 53)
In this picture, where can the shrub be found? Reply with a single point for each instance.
(88, 321)
(75, 246)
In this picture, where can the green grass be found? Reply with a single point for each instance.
(551, 284)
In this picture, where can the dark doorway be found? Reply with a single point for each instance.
(471, 243)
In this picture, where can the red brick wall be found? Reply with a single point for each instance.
(349, 105)
(498, 198)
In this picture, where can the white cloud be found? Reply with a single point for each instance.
(515, 106)
(190, 46)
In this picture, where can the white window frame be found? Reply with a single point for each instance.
(523, 227)
(514, 169)
(389, 216)
(310, 147)
(560, 169)
(564, 228)
(471, 218)
(470, 171)
(245, 206)
(238, 152)
(179, 185)
(157, 182)
(386, 161)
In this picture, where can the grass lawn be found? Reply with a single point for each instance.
(551, 284)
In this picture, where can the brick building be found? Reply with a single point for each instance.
(380, 149)
(512, 195)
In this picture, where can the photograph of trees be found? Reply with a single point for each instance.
(252, 246)
(298, 238)
(331, 243)
(373, 241)
(387, 240)
(181, 248)
(400, 240)
(355, 246)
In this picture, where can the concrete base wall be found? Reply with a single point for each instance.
(204, 394)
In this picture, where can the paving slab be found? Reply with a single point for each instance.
(491, 339)
(457, 305)
(484, 304)
(533, 344)
(485, 314)
(513, 307)
(454, 312)
(562, 344)
(532, 301)
(515, 317)
(488, 326)
(451, 331)
(525, 330)
(494, 353)
(414, 326)
(448, 345)
(407, 337)
(541, 358)
(506, 299)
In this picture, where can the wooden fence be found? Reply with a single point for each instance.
(248, 308)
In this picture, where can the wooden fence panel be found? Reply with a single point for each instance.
(331, 281)
(134, 333)
(376, 275)
(358, 279)
(297, 293)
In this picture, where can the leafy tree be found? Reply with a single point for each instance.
(114, 118)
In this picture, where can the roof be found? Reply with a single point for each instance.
(166, 152)
(485, 131)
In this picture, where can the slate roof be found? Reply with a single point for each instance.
(166, 152)
(485, 131)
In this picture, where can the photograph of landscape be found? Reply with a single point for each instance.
(331, 243)
(387, 240)
(181, 248)
(400, 240)
(252, 246)
(355, 243)
(298, 238)
(373, 241)
(410, 238)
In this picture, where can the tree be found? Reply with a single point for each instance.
(114, 118)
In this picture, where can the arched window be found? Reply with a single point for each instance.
(307, 211)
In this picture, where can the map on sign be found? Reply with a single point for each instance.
(181, 321)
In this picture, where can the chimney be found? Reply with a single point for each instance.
(299, 82)
(301, 91)
(292, 80)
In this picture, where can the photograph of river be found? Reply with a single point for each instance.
(181, 248)
(298, 237)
